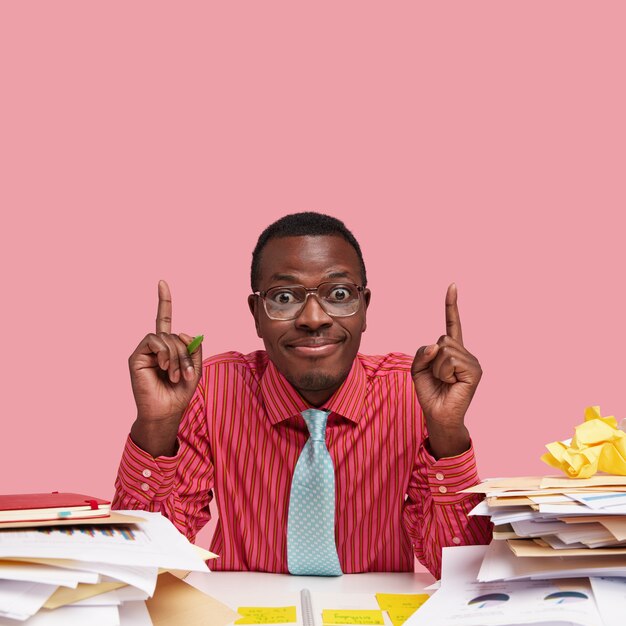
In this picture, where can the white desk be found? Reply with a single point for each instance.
(352, 590)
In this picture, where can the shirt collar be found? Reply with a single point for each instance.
(282, 401)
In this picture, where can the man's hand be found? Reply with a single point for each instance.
(164, 377)
(445, 376)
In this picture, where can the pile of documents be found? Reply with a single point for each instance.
(125, 568)
(558, 557)
(580, 521)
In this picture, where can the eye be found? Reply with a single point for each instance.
(340, 294)
(283, 296)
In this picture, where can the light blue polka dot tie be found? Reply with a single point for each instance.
(311, 548)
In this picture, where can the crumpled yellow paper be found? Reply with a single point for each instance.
(597, 446)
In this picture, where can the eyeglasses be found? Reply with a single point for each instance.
(286, 303)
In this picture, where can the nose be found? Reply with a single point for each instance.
(313, 316)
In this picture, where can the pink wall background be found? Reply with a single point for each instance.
(480, 142)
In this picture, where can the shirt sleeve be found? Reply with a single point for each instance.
(180, 487)
(436, 514)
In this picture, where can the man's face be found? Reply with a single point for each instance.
(314, 351)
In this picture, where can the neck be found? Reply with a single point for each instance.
(317, 398)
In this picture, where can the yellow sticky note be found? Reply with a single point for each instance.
(388, 601)
(267, 615)
(399, 616)
(349, 616)
(400, 606)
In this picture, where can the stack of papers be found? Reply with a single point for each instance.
(98, 572)
(558, 557)
(581, 521)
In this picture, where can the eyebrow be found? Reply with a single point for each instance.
(294, 279)
(283, 277)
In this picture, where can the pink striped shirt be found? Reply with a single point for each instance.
(240, 439)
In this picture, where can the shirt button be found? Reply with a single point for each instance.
(443, 489)
(147, 473)
(145, 486)
(438, 476)
(456, 540)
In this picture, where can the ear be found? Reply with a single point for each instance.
(367, 296)
(253, 305)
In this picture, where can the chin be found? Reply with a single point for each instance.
(317, 381)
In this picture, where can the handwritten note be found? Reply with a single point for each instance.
(349, 616)
(267, 615)
(400, 606)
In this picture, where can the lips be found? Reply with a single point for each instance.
(315, 346)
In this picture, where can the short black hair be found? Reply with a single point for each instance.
(307, 223)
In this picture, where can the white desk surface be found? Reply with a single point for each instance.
(259, 589)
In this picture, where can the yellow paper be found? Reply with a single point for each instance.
(530, 548)
(399, 616)
(400, 606)
(267, 615)
(66, 595)
(597, 446)
(175, 603)
(349, 616)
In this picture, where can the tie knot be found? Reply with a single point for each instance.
(316, 423)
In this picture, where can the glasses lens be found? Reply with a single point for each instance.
(284, 303)
(337, 299)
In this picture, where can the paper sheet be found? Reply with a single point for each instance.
(604, 501)
(21, 599)
(153, 543)
(599, 480)
(45, 574)
(176, 603)
(501, 564)
(610, 594)
(135, 614)
(505, 603)
(463, 601)
(63, 596)
(143, 578)
(524, 548)
(617, 527)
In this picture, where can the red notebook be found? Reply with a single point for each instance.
(35, 507)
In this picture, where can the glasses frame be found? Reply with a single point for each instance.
(310, 291)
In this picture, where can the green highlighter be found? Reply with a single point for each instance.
(195, 342)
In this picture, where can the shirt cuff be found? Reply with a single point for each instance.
(450, 475)
(145, 478)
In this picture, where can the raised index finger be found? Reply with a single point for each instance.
(164, 311)
(453, 319)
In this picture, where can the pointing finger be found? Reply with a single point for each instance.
(164, 311)
(453, 319)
